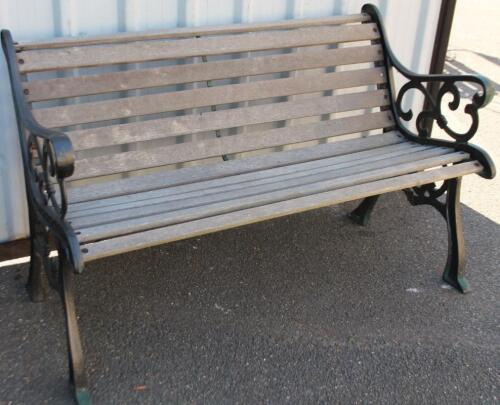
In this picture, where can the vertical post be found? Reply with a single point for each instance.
(361, 215)
(78, 376)
(37, 284)
(441, 41)
(455, 264)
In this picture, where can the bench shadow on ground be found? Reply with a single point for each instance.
(302, 309)
(455, 67)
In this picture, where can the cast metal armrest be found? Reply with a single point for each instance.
(48, 158)
(432, 110)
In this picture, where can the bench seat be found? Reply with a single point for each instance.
(230, 194)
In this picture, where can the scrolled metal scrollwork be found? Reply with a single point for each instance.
(48, 158)
(428, 194)
(448, 86)
(434, 96)
(44, 171)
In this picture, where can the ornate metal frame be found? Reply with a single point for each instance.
(48, 159)
(430, 194)
(416, 81)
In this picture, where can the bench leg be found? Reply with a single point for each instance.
(429, 194)
(361, 215)
(37, 284)
(455, 264)
(77, 374)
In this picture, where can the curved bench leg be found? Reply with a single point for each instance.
(361, 215)
(37, 284)
(429, 194)
(78, 377)
(455, 264)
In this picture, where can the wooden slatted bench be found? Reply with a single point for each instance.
(140, 139)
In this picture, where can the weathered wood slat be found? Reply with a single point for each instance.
(213, 120)
(142, 51)
(231, 182)
(190, 214)
(184, 32)
(49, 89)
(141, 240)
(185, 152)
(237, 181)
(173, 101)
(127, 211)
(121, 187)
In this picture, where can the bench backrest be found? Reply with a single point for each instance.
(138, 101)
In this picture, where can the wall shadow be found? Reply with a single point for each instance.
(454, 67)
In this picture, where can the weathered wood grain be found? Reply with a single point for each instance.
(143, 51)
(222, 184)
(249, 189)
(231, 118)
(189, 151)
(187, 99)
(220, 222)
(50, 89)
(187, 175)
(145, 221)
(183, 32)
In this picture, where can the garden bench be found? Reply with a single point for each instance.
(139, 139)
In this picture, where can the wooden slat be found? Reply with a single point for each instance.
(186, 175)
(292, 178)
(143, 51)
(190, 214)
(184, 32)
(233, 181)
(214, 120)
(185, 152)
(174, 101)
(141, 240)
(64, 87)
(236, 181)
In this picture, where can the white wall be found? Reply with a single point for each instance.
(411, 26)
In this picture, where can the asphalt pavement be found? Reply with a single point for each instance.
(304, 309)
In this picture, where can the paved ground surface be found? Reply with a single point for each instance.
(303, 309)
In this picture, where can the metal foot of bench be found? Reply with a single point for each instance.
(361, 215)
(78, 377)
(429, 194)
(455, 264)
(37, 284)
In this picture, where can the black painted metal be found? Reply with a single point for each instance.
(445, 22)
(361, 215)
(448, 85)
(48, 159)
(78, 376)
(37, 280)
(428, 194)
(455, 265)
(434, 87)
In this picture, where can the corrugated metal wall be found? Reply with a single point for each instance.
(411, 26)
